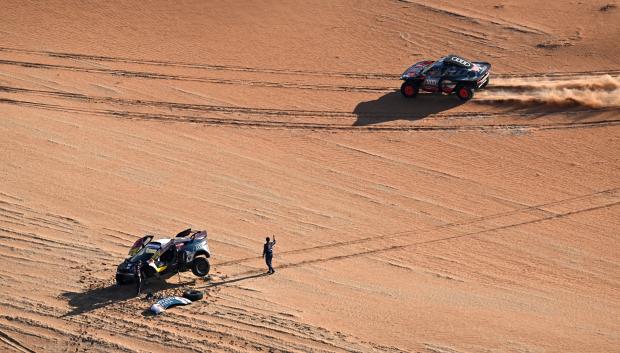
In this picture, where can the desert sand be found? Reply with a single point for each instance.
(423, 225)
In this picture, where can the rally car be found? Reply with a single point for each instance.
(450, 74)
(162, 258)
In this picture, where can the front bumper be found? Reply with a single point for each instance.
(125, 277)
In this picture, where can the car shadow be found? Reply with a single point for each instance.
(393, 106)
(95, 298)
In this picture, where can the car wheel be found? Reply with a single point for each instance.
(464, 93)
(193, 295)
(200, 267)
(409, 89)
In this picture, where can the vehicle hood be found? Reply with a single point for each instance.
(415, 69)
(126, 266)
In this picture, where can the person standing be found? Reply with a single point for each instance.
(138, 277)
(268, 253)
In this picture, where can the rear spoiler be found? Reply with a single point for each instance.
(192, 234)
(184, 233)
(487, 64)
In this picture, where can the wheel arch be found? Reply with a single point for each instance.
(466, 83)
(202, 252)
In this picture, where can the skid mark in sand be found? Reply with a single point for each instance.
(355, 75)
(253, 111)
(434, 348)
(38, 239)
(400, 247)
(267, 124)
(11, 197)
(605, 194)
(44, 246)
(216, 67)
(223, 328)
(13, 343)
(43, 327)
(162, 76)
(15, 209)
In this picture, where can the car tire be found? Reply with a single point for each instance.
(200, 266)
(193, 295)
(464, 93)
(409, 89)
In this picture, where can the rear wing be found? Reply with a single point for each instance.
(184, 233)
(485, 66)
(199, 234)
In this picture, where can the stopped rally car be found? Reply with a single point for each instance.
(162, 258)
(450, 74)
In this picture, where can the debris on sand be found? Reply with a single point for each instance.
(166, 303)
(608, 7)
(555, 44)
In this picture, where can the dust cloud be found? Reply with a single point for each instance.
(592, 92)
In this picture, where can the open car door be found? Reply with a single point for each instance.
(139, 244)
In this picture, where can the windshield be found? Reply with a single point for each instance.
(146, 252)
(435, 68)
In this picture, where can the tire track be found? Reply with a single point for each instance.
(216, 67)
(278, 124)
(13, 343)
(260, 111)
(235, 68)
(222, 330)
(182, 106)
(35, 324)
(187, 78)
(400, 247)
(422, 231)
(266, 330)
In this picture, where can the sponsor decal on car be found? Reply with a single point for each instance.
(460, 61)
(431, 82)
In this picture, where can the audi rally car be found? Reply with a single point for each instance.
(450, 74)
(165, 257)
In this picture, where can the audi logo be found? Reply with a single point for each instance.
(460, 61)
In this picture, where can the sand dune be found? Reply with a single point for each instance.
(426, 225)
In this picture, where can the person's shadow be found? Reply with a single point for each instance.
(393, 106)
